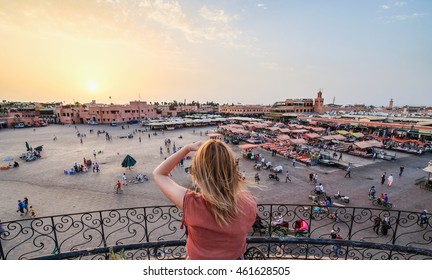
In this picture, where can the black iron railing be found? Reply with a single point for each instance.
(156, 233)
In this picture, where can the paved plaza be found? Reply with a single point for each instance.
(51, 192)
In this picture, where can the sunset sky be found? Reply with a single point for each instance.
(233, 51)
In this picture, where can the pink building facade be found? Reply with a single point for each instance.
(106, 114)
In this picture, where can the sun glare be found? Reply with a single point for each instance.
(92, 85)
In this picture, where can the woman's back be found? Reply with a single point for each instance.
(209, 240)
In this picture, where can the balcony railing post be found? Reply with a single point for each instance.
(270, 230)
(395, 231)
(146, 232)
(2, 256)
(103, 234)
(57, 248)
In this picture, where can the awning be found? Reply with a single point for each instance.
(299, 131)
(408, 141)
(298, 141)
(312, 135)
(342, 132)
(368, 144)
(327, 137)
(338, 137)
(357, 134)
(214, 135)
(317, 129)
(248, 146)
(283, 137)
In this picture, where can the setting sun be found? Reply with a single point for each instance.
(92, 85)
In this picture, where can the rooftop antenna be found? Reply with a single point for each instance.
(334, 100)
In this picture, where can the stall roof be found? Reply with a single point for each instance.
(317, 129)
(213, 135)
(284, 130)
(327, 137)
(298, 131)
(298, 141)
(408, 141)
(338, 137)
(283, 137)
(247, 146)
(312, 135)
(357, 134)
(368, 144)
(342, 132)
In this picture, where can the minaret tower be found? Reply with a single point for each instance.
(390, 104)
(319, 103)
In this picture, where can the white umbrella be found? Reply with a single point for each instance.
(8, 158)
(428, 169)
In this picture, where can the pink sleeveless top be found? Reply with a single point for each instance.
(209, 241)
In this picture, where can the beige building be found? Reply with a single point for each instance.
(292, 107)
(241, 109)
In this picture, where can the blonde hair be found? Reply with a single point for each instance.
(215, 170)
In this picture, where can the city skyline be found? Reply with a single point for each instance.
(261, 52)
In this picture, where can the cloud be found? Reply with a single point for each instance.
(216, 15)
(385, 7)
(144, 22)
(407, 16)
(400, 4)
(262, 6)
(270, 65)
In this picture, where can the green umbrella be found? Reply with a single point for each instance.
(128, 161)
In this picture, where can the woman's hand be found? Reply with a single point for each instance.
(193, 147)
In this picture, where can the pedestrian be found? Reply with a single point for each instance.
(383, 178)
(160, 150)
(401, 170)
(257, 178)
(287, 178)
(97, 167)
(21, 207)
(315, 179)
(85, 162)
(94, 153)
(372, 193)
(118, 186)
(81, 140)
(340, 156)
(124, 179)
(222, 212)
(390, 180)
(336, 248)
(139, 139)
(294, 162)
(348, 172)
(32, 212)
(94, 167)
(311, 176)
(26, 204)
(385, 226)
(423, 218)
(244, 175)
(377, 224)
(149, 136)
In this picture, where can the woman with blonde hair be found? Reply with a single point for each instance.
(220, 216)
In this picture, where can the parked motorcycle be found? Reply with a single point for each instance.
(341, 197)
(274, 176)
